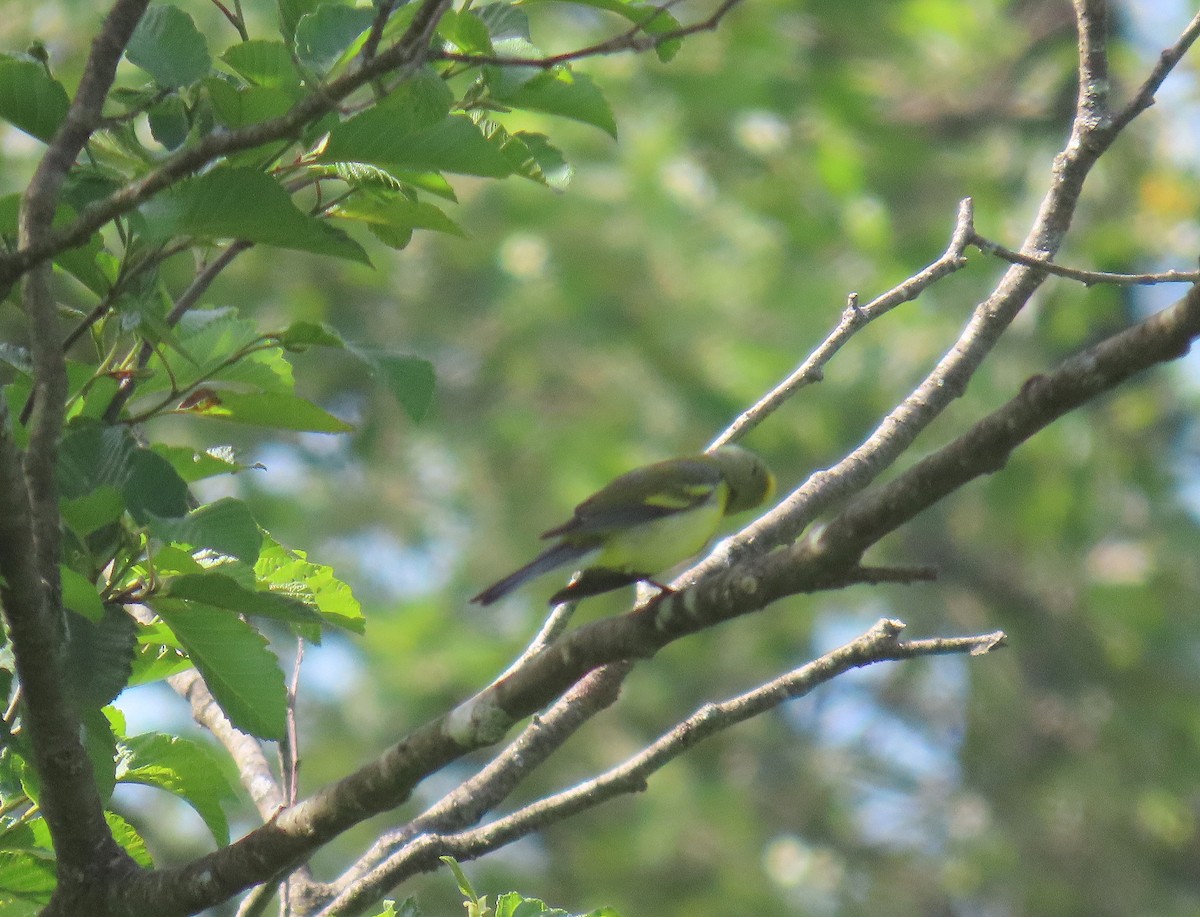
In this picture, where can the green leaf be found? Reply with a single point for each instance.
(100, 743)
(195, 466)
(563, 92)
(85, 514)
(530, 155)
(80, 262)
(169, 122)
(239, 106)
(217, 590)
(290, 13)
(183, 768)
(226, 527)
(168, 46)
(397, 212)
(153, 488)
(30, 99)
(129, 839)
(504, 20)
(243, 204)
(27, 879)
(240, 671)
(291, 573)
(466, 31)
(651, 19)
(269, 409)
(267, 64)
(322, 35)
(410, 379)
(79, 594)
(300, 336)
(412, 131)
(99, 656)
(94, 456)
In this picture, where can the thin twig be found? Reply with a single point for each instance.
(879, 644)
(1087, 278)
(854, 318)
(635, 39)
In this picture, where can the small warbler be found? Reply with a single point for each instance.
(646, 521)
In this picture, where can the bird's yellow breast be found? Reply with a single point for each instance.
(655, 546)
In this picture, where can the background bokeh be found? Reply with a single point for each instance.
(803, 151)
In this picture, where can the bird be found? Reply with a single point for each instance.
(644, 522)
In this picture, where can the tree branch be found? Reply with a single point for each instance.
(880, 644)
(85, 849)
(1087, 278)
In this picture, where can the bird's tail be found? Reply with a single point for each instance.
(558, 555)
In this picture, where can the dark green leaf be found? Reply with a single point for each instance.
(226, 527)
(100, 656)
(182, 767)
(290, 13)
(29, 99)
(243, 204)
(242, 674)
(169, 122)
(168, 46)
(153, 488)
(302, 335)
(564, 92)
(322, 35)
(26, 881)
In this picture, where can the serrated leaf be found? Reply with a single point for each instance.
(291, 573)
(400, 133)
(240, 671)
(183, 768)
(168, 46)
(129, 839)
(30, 99)
(99, 656)
(217, 590)
(397, 212)
(100, 743)
(270, 409)
(267, 64)
(564, 92)
(323, 34)
(358, 175)
(93, 456)
(410, 379)
(27, 878)
(238, 203)
(226, 527)
(504, 20)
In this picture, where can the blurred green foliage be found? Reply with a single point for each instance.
(801, 152)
